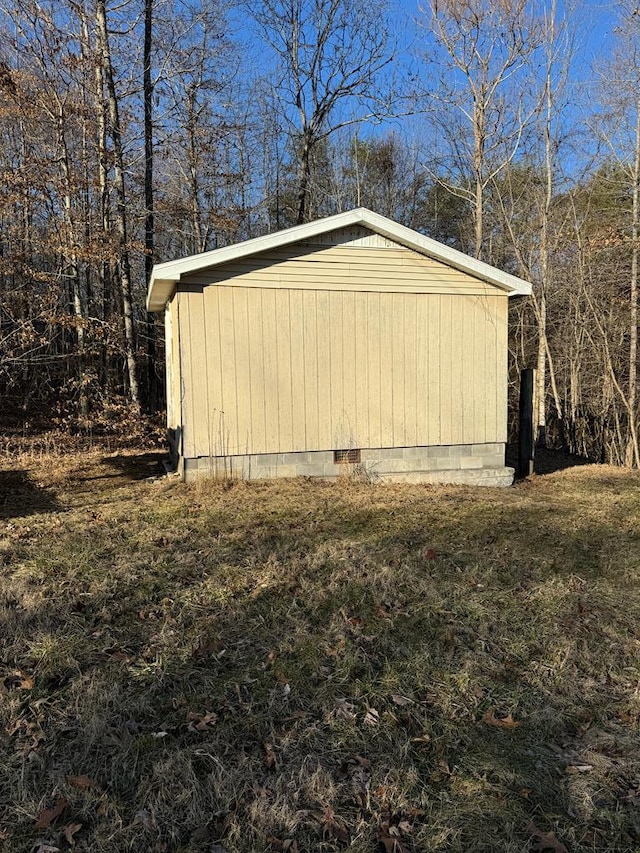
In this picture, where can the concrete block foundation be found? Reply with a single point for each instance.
(473, 464)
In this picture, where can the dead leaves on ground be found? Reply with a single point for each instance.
(69, 831)
(345, 709)
(47, 816)
(358, 771)
(499, 721)
(286, 845)
(333, 828)
(44, 847)
(573, 769)
(270, 759)
(28, 734)
(201, 722)
(372, 717)
(401, 700)
(18, 680)
(393, 830)
(83, 783)
(544, 840)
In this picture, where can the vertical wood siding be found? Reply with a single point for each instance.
(272, 369)
(172, 365)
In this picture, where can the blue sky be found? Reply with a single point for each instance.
(594, 22)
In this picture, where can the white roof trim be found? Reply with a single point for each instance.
(165, 276)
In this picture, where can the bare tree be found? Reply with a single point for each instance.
(102, 34)
(531, 212)
(619, 127)
(201, 129)
(484, 48)
(330, 56)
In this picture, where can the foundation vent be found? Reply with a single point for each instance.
(346, 457)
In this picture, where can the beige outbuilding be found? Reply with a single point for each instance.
(348, 343)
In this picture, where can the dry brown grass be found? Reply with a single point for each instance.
(316, 666)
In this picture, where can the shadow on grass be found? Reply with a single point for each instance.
(20, 496)
(140, 466)
(546, 461)
(278, 655)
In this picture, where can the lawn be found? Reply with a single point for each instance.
(311, 666)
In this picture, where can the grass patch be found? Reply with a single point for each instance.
(313, 666)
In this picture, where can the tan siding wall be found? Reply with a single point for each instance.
(172, 365)
(355, 235)
(282, 370)
(344, 267)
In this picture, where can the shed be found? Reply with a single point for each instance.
(351, 341)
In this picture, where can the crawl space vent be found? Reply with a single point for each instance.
(343, 457)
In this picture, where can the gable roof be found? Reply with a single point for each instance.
(165, 276)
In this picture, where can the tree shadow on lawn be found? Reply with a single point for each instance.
(141, 466)
(547, 461)
(334, 666)
(20, 496)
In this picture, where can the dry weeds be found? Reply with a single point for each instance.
(313, 667)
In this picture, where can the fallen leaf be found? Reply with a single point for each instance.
(507, 722)
(545, 840)
(372, 717)
(47, 816)
(525, 792)
(268, 661)
(333, 829)
(345, 709)
(287, 845)
(44, 847)
(360, 778)
(358, 770)
(133, 727)
(18, 681)
(269, 756)
(347, 767)
(201, 722)
(572, 769)
(421, 739)
(401, 700)
(69, 831)
(389, 838)
(83, 783)
(441, 771)
(431, 554)
(352, 621)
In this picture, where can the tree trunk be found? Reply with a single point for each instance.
(478, 165)
(121, 210)
(72, 264)
(303, 182)
(152, 377)
(543, 343)
(633, 308)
